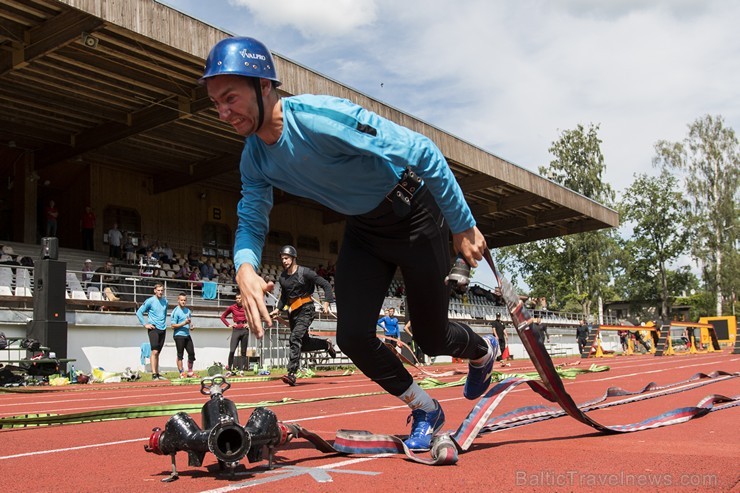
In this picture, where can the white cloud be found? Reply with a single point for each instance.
(313, 18)
(509, 76)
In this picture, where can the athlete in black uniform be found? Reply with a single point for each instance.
(297, 284)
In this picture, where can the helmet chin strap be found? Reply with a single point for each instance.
(258, 92)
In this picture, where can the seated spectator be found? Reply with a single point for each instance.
(166, 254)
(400, 291)
(322, 272)
(195, 279)
(26, 261)
(148, 265)
(224, 277)
(6, 259)
(143, 245)
(87, 272)
(207, 272)
(193, 258)
(104, 282)
(184, 272)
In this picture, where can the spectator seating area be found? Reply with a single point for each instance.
(478, 306)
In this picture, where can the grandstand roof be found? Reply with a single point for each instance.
(115, 83)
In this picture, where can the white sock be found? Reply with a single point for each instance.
(417, 398)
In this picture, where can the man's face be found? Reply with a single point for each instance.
(108, 267)
(239, 299)
(391, 311)
(287, 261)
(236, 102)
(181, 300)
(159, 291)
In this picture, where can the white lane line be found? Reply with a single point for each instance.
(80, 447)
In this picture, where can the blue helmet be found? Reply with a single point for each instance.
(240, 56)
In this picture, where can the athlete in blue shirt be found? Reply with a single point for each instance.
(156, 309)
(390, 326)
(401, 201)
(182, 325)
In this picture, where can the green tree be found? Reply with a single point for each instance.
(659, 233)
(575, 268)
(709, 157)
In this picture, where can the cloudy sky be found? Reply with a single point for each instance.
(509, 76)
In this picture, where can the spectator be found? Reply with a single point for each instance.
(195, 279)
(181, 320)
(184, 272)
(87, 227)
(224, 277)
(390, 326)
(104, 281)
(26, 261)
(52, 215)
(87, 272)
(193, 258)
(148, 265)
(582, 336)
(114, 242)
(623, 339)
(129, 249)
(143, 245)
(239, 333)
(166, 254)
(207, 272)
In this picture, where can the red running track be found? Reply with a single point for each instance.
(556, 455)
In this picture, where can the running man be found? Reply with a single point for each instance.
(297, 285)
(401, 201)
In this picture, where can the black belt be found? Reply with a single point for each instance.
(401, 194)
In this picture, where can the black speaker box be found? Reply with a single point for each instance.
(50, 334)
(49, 288)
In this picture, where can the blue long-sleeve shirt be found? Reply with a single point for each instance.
(390, 325)
(156, 310)
(179, 315)
(342, 156)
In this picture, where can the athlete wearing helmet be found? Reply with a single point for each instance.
(401, 201)
(297, 285)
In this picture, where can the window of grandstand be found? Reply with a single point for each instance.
(334, 246)
(128, 221)
(217, 240)
(279, 238)
(309, 243)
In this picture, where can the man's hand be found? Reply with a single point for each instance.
(253, 288)
(470, 244)
(149, 326)
(326, 308)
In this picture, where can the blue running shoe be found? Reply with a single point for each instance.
(479, 377)
(423, 428)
